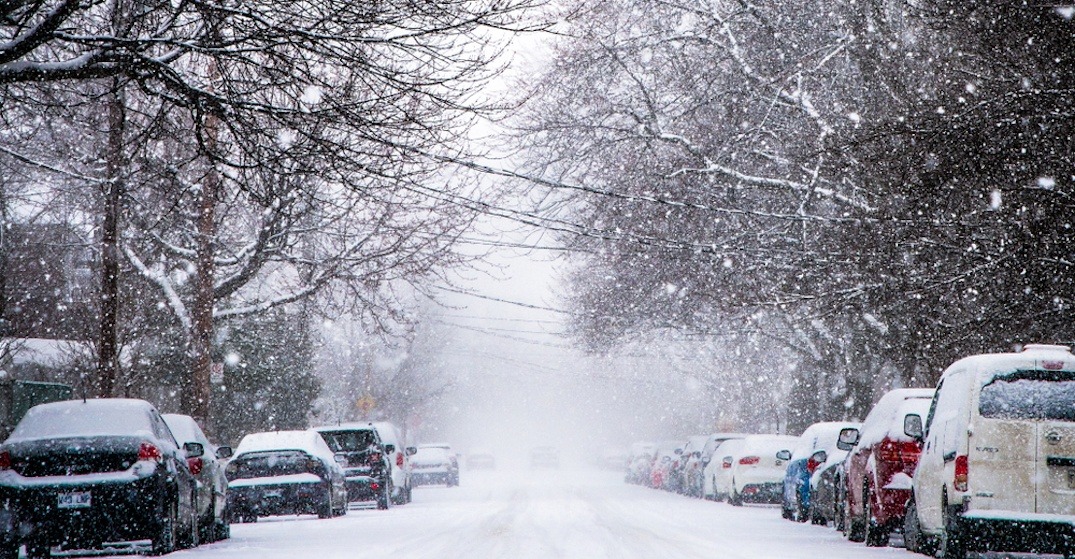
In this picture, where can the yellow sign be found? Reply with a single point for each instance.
(366, 403)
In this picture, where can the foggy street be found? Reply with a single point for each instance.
(569, 513)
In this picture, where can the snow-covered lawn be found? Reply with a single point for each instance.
(541, 515)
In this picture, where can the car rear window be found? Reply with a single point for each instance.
(83, 421)
(1030, 395)
(348, 441)
(268, 464)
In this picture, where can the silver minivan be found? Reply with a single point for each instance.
(997, 471)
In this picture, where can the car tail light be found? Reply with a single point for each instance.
(149, 452)
(399, 459)
(5, 460)
(749, 460)
(195, 465)
(375, 486)
(899, 451)
(960, 482)
(811, 465)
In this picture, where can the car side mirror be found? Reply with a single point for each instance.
(389, 448)
(849, 437)
(224, 452)
(783, 455)
(912, 426)
(193, 450)
(411, 451)
(820, 457)
(679, 451)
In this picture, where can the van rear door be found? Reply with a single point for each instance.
(1042, 400)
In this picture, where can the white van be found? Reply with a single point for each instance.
(997, 471)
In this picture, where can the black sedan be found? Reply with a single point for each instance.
(84, 473)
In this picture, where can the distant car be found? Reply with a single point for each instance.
(285, 472)
(717, 476)
(399, 460)
(208, 469)
(827, 491)
(816, 444)
(544, 457)
(757, 474)
(639, 461)
(697, 462)
(880, 466)
(365, 463)
(664, 461)
(679, 476)
(481, 460)
(434, 464)
(82, 473)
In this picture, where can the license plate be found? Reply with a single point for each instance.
(74, 500)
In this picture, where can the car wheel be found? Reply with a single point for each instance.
(221, 529)
(325, 509)
(801, 514)
(913, 538)
(951, 545)
(37, 550)
(384, 499)
(735, 499)
(164, 540)
(786, 512)
(410, 495)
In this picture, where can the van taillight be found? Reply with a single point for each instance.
(399, 459)
(149, 451)
(961, 473)
(749, 460)
(811, 465)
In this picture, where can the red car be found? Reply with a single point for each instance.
(880, 466)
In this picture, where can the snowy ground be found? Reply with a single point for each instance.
(544, 514)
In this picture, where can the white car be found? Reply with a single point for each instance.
(717, 477)
(698, 461)
(434, 464)
(399, 460)
(757, 474)
(997, 470)
(211, 490)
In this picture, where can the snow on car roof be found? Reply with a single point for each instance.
(1033, 356)
(767, 444)
(346, 426)
(387, 431)
(880, 421)
(308, 441)
(820, 436)
(87, 418)
(184, 428)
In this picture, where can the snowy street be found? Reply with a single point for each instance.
(545, 514)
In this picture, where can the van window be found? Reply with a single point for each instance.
(1030, 395)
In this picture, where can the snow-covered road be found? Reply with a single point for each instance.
(524, 514)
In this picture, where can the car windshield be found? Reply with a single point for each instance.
(349, 441)
(1030, 395)
(268, 464)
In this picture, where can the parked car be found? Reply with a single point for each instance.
(399, 460)
(481, 460)
(639, 463)
(997, 472)
(827, 490)
(663, 461)
(434, 464)
(544, 457)
(757, 474)
(815, 446)
(717, 476)
(679, 475)
(211, 496)
(81, 473)
(697, 462)
(285, 472)
(359, 450)
(880, 466)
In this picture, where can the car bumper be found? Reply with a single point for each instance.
(1014, 532)
(117, 512)
(363, 488)
(426, 477)
(771, 493)
(270, 500)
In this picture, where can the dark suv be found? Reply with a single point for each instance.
(367, 468)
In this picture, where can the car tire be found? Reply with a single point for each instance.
(37, 550)
(326, 509)
(786, 512)
(384, 499)
(164, 540)
(801, 512)
(875, 535)
(913, 538)
(221, 529)
(734, 499)
(952, 544)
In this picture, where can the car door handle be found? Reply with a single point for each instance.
(948, 457)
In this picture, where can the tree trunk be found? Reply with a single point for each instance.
(108, 342)
(197, 396)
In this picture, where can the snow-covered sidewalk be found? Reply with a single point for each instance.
(541, 515)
